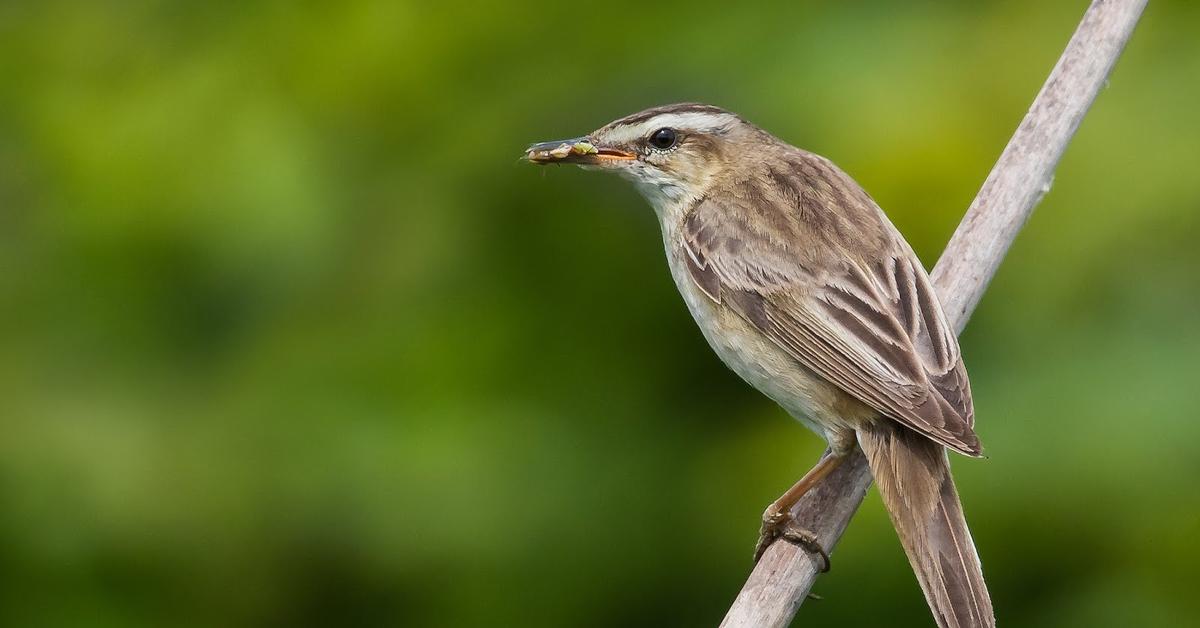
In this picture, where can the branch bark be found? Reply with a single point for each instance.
(783, 577)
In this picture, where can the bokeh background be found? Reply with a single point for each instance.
(288, 336)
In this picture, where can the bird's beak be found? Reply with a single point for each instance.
(577, 151)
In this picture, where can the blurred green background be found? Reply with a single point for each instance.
(290, 337)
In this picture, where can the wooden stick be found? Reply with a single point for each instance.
(782, 579)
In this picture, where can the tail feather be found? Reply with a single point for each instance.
(913, 476)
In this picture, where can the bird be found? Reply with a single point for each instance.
(804, 288)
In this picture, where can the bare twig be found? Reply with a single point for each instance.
(782, 579)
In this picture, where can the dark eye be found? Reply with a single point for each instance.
(663, 139)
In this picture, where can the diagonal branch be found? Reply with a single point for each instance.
(782, 579)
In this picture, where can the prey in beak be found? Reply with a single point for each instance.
(577, 151)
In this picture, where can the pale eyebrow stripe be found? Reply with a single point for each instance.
(704, 121)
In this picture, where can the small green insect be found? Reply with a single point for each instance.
(583, 148)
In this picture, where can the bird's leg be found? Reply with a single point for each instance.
(777, 519)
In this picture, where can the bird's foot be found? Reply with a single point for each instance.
(777, 525)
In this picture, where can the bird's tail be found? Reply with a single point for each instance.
(913, 476)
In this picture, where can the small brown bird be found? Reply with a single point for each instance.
(806, 290)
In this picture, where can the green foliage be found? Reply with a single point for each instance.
(290, 336)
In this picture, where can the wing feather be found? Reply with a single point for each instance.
(869, 322)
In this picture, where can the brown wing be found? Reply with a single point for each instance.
(806, 256)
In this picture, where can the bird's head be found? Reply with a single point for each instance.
(672, 153)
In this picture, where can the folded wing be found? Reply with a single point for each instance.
(870, 323)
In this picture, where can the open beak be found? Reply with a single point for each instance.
(576, 151)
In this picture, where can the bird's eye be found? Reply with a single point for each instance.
(663, 139)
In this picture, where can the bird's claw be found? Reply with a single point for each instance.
(779, 525)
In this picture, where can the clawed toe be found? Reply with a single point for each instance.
(808, 541)
(779, 525)
(773, 522)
